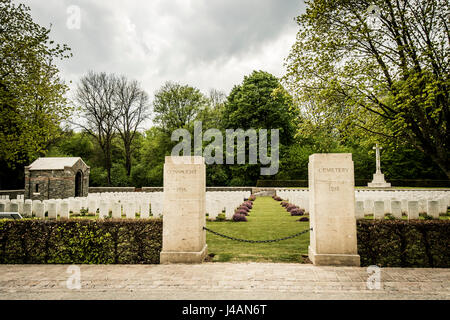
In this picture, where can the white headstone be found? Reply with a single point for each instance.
(413, 210)
(64, 213)
(396, 209)
(378, 210)
(51, 210)
(40, 213)
(117, 210)
(359, 210)
(27, 209)
(433, 209)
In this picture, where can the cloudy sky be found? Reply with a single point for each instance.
(203, 43)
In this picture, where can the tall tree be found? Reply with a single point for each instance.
(177, 106)
(259, 102)
(32, 103)
(96, 98)
(377, 66)
(132, 103)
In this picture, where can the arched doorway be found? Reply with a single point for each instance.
(79, 184)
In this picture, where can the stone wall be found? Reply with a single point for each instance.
(111, 189)
(52, 184)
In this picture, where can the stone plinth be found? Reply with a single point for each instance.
(332, 210)
(184, 240)
(378, 181)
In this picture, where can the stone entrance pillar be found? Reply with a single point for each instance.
(332, 210)
(184, 240)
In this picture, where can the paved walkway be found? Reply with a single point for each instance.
(220, 281)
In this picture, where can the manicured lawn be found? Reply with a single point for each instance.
(267, 220)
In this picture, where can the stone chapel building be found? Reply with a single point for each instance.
(56, 178)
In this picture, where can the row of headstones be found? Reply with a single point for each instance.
(440, 205)
(300, 198)
(63, 207)
(428, 202)
(218, 202)
(116, 203)
(402, 195)
(6, 197)
(141, 201)
(379, 209)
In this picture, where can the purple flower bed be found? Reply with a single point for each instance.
(242, 207)
(284, 204)
(297, 212)
(291, 207)
(241, 211)
(239, 217)
(248, 204)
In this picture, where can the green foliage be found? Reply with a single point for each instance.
(80, 241)
(216, 175)
(176, 106)
(260, 102)
(148, 171)
(97, 177)
(72, 144)
(32, 103)
(388, 84)
(397, 243)
(220, 217)
(119, 177)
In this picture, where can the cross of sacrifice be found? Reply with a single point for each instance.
(377, 153)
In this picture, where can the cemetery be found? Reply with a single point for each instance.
(241, 226)
(148, 152)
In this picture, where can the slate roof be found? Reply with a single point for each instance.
(53, 163)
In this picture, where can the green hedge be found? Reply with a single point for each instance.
(397, 243)
(80, 241)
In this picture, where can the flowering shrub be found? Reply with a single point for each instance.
(248, 204)
(252, 198)
(304, 219)
(284, 204)
(241, 211)
(291, 207)
(276, 198)
(242, 207)
(297, 212)
(239, 217)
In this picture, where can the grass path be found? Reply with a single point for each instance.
(267, 220)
